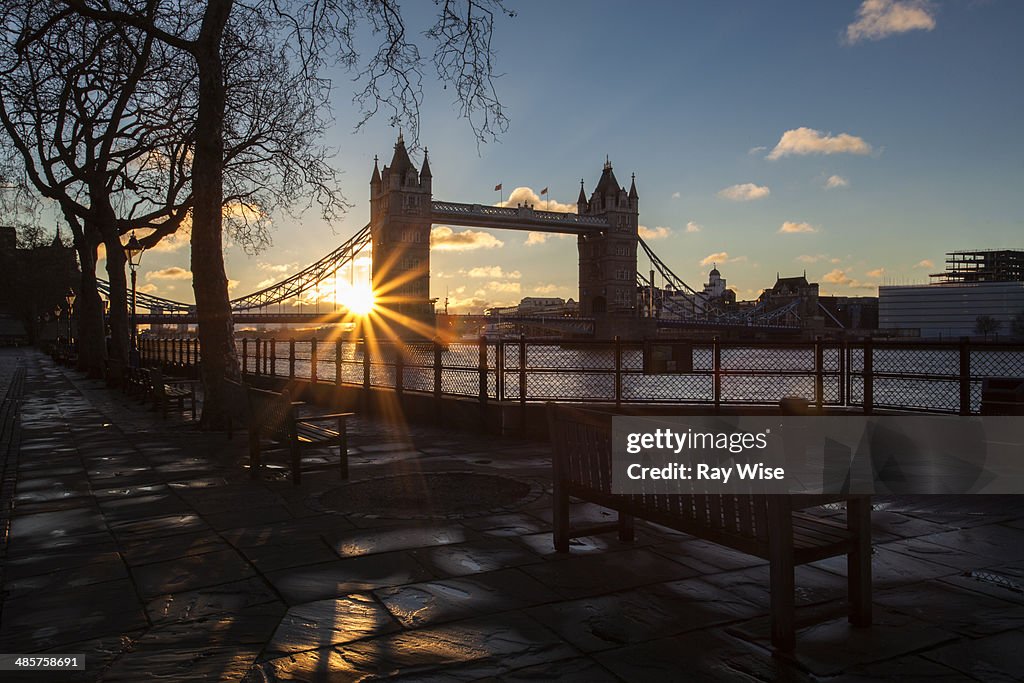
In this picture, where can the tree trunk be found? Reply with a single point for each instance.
(120, 302)
(209, 279)
(91, 340)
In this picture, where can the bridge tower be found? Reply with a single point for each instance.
(608, 258)
(400, 229)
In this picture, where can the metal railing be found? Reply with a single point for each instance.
(933, 377)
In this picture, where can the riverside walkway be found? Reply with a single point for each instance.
(144, 545)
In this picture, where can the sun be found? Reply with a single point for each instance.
(359, 299)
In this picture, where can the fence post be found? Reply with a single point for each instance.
(337, 361)
(437, 374)
(399, 369)
(869, 377)
(522, 383)
(716, 372)
(618, 371)
(819, 373)
(965, 376)
(844, 355)
(245, 356)
(482, 368)
(312, 360)
(366, 369)
(256, 357)
(273, 357)
(499, 370)
(291, 358)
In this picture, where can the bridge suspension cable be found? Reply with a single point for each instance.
(289, 288)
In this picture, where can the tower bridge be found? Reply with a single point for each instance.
(613, 295)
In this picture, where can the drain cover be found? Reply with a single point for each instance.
(429, 495)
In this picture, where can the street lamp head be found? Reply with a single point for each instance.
(70, 298)
(133, 250)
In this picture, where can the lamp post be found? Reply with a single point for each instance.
(70, 298)
(133, 250)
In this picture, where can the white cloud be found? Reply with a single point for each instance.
(792, 227)
(676, 195)
(877, 19)
(148, 288)
(835, 181)
(803, 141)
(925, 263)
(444, 238)
(840, 277)
(693, 226)
(496, 286)
(492, 272)
(526, 195)
(277, 267)
(535, 238)
(876, 273)
(547, 289)
(232, 284)
(757, 150)
(721, 257)
(811, 258)
(658, 233)
(744, 192)
(172, 273)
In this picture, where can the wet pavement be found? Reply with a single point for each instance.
(144, 544)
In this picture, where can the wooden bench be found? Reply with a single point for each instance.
(167, 391)
(274, 416)
(767, 526)
(116, 374)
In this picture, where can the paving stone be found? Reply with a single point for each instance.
(577, 577)
(229, 597)
(649, 613)
(314, 625)
(829, 646)
(332, 579)
(483, 647)
(889, 568)
(162, 549)
(315, 666)
(163, 526)
(994, 541)
(511, 524)
(699, 656)
(95, 568)
(422, 604)
(705, 557)
(244, 517)
(575, 670)
(813, 585)
(268, 558)
(405, 537)
(914, 669)
(955, 609)
(189, 572)
(996, 658)
(485, 555)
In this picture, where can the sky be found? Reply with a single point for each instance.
(856, 140)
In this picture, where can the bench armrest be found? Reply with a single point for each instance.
(332, 416)
(180, 382)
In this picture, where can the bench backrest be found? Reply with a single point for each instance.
(582, 460)
(271, 412)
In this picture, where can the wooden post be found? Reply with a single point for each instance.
(499, 371)
(291, 358)
(965, 376)
(819, 373)
(273, 357)
(337, 362)
(482, 366)
(399, 369)
(618, 371)
(256, 357)
(869, 377)
(312, 360)
(844, 353)
(245, 356)
(366, 368)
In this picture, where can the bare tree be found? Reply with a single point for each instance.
(304, 36)
(101, 121)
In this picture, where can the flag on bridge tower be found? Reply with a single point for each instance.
(547, 202)
(501, 197)
(497, 188)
